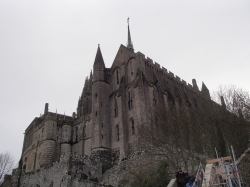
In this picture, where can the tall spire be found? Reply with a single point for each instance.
(129, 42)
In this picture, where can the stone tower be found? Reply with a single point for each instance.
(101, 143)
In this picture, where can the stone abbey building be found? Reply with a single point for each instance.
(114, 103)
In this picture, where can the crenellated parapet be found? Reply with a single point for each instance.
(153, 69)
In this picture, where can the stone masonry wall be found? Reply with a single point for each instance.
(74, 172)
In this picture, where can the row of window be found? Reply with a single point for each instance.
(132, 129)
(131, 72)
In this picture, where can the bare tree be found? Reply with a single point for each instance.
(6, 164)
(237, 100)
(235, 129)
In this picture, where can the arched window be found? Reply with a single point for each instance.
(131, 67)
(132, 126)
(117, 76)
(130, 100)
(117, 132)
(116, 108)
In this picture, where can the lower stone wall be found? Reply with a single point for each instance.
(55, 176)
(71, 171)
(127, 168)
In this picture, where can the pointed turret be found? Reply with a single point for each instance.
(85, 87)
(205, 91)
(195, 85)
(99, 64)
(46, 109)
(223, 104)
(129, 42)
(90, 83)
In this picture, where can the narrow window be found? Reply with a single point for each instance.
(117, 76)
(130, 101)
(101, 104)
(102, 136)
(116, 108)
(76, 133)
(95, 113)
(133, 126)
(131, 67)
(117, 132)
(154, 98)
(102, 125)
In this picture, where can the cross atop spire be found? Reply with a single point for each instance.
(129, 42)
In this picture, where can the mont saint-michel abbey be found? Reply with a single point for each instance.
(113, 106)
(113, 103)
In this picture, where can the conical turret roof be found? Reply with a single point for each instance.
(99, 62)
(204, 87)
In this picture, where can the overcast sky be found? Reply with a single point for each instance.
(47, 48)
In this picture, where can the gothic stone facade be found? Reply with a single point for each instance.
(114, 104)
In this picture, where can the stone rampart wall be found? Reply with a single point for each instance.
(71, 171)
